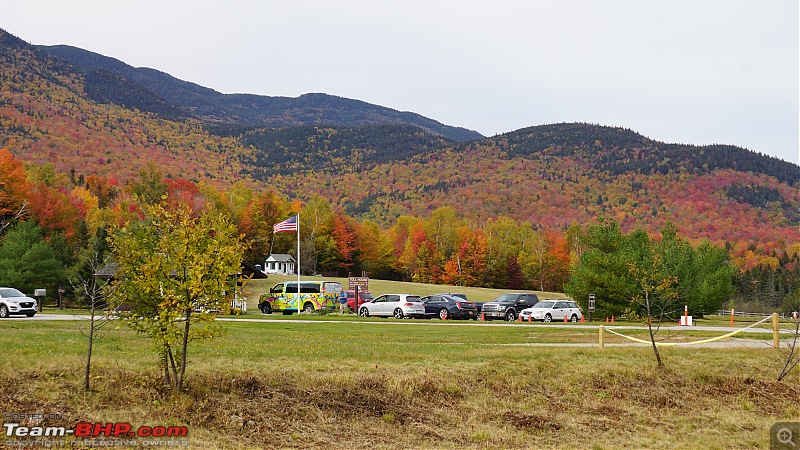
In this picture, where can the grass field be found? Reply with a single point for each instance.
(401, 384)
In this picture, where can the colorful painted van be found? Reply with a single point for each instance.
(314, 296)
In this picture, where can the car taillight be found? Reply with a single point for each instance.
(458, 305)
(408, 304)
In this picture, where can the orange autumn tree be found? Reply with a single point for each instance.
(467, 266)
(344, 237)
(14, 189)
(53, 210)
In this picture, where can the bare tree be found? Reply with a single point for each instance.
(655, 293)
(792, 353)
(94, 291)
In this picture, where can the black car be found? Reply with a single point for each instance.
(464, 297)
(446, 307)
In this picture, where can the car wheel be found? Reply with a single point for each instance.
(363, 312)
(573, 319)
(266, 308)
(443, 314)
(511, 316)
(3, 311)
(398, 313)
(548, 318)
(308, 307)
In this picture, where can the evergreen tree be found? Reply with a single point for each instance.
(27, 262)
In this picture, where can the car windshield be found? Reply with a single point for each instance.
(506, 298)
(544, 305)
(8, 292)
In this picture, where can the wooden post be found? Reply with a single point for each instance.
(731, 317)
(776, 338)
(600, 336)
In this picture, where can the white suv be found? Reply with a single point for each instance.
(552, 310)
(13, 301)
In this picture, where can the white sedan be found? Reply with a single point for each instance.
(394, 305)
(552, 310)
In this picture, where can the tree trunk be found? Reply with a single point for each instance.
(184, 346)
(792, 357)
(650, 329)
(87, 372)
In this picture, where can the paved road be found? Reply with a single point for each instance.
(728, 343)
(434, 322)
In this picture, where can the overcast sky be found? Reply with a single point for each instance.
(688, 71)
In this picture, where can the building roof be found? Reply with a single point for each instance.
(280, 257)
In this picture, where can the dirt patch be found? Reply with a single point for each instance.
(531, 421)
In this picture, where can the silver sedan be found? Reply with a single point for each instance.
(398, 306)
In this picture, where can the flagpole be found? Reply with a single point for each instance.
(298, 262)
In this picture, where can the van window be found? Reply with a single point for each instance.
(332, 288)
(309, 288)
(291, 288)
(277, 289)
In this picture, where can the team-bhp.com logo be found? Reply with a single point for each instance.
(94, 430)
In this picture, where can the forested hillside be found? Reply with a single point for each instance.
(551, 177)
(47, 116)
(329, 150)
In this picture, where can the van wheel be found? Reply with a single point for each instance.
(308, 307)
(266, 308)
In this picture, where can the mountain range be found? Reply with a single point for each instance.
(111, 80)
(84, 112)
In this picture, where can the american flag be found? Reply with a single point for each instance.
(289, 224)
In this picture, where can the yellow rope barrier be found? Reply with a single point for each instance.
(702, 341)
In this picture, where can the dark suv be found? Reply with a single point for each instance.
(508, 306)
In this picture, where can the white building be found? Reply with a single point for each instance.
(279, 263)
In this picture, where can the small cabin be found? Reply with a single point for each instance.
(280, 264)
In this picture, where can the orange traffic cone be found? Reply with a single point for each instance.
(581, 319)
(565, 318)
(606, 319)
(529, 318)
(612, 319)
(483, 316)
